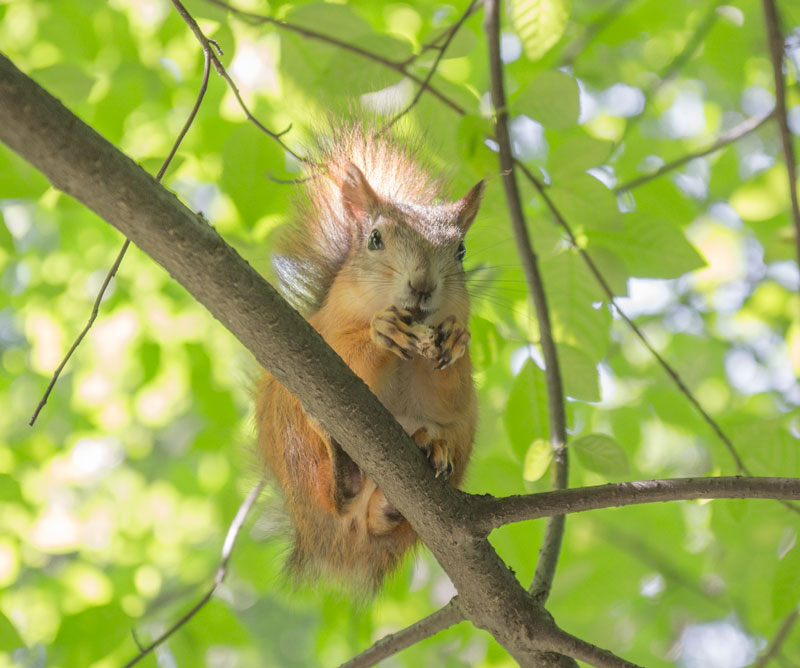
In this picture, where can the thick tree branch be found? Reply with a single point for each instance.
(489, 512)
(80, 162)
(776, 54)
(551, 545)
(392, 644)
(734, 134)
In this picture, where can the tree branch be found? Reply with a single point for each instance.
(392, 644)
(734, 134)
(772, 20)
(675, 65)
(442, 49)
(347, 46)
(777, 642)
(489, 512)
(222, 571)
(551, 545)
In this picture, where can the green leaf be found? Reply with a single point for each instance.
(9, 638)
(600, 453)
(551, 98)
(537, 459)
(539, 24)
(587, 203)
(526, 414)
(650, 246)
(579, 373)
(576, 154)
(786, 585)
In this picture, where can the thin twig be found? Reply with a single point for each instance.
(347, 46)
(450, 35)
(777, 642)
(222, 571)
(435, 43)
(114, 267)
(489, 512)
(389, 645)
(577, 46)
(772, 20)
(734, 134)
(672, 373)
(675, 65)
(551, 545)
(220, 68)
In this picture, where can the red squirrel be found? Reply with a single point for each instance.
(373, 260)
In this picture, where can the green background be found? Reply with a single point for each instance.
(113, 507)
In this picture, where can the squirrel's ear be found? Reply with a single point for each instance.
(468, 206)
(358, 197)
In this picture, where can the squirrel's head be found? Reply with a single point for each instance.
(406, 255)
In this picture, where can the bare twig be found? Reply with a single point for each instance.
(347, 46)
(435, 43)
(121, 254)
(675, 65)
(772, 20)
(227, 549)
(734, 134)
(551, 545)
(777, 642)
(577, 46)
(450, 35)
(220, 68)
(491, 512)
(392, 644)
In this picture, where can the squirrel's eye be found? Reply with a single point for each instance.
(461, 252)
(375, 242)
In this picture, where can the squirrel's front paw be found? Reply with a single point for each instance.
(437, 451)
(394, 329)
(452, 339)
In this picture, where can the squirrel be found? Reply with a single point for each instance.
(373, 260)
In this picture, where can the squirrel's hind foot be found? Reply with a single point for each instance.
(437, 451)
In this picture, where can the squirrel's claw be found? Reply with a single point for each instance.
(394, 329)
(452, 339)
(437, 451)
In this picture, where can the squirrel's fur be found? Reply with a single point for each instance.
(373, 261)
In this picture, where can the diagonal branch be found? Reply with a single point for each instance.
(222, 571)
(347, 46)
(776, 54)
(675, 65)
(734, 134)
(442, 50)
(392, 644)
(777, 642)
(124, 249)
(491, 512)
(551, 545)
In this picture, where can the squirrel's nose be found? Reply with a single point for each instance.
(421, 287)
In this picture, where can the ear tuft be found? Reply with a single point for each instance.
(468, 205)
(358, 197)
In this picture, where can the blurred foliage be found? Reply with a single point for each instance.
(114, 506)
